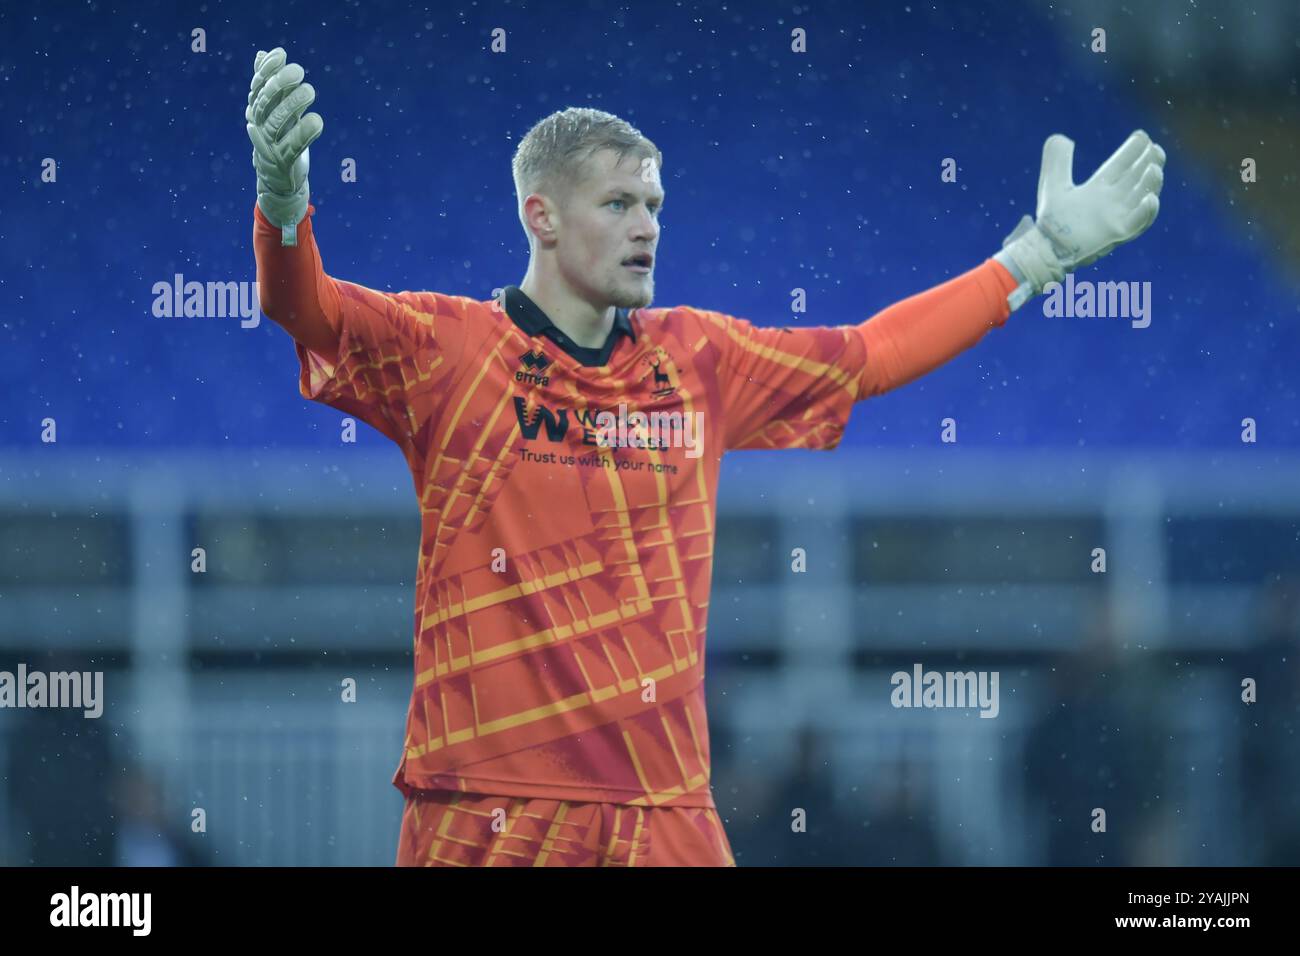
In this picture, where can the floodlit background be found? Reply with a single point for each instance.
(783, 170)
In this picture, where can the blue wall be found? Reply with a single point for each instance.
(819, 171)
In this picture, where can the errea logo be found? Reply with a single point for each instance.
(534, 363)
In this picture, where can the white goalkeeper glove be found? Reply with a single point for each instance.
(281, 134)
(1077, 225)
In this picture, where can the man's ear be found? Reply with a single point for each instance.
(539, 213)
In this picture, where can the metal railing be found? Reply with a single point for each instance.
(296, 776)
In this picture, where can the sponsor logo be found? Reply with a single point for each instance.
(624, 428)
(530, 425)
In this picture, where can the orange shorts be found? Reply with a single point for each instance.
(451, 828)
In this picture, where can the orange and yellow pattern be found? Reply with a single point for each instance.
(447, 828)
(562, 594)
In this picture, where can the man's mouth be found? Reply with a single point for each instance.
(641, 263)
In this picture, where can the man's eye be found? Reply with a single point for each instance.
(619, 201)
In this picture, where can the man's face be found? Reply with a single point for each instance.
(611, 217)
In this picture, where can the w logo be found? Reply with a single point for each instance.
(555, 427)
(535, 361)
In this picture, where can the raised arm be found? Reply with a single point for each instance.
(1076, 226)
(293, 288)
(918, 334)
(795, 387)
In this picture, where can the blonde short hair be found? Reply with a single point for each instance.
(552, 157)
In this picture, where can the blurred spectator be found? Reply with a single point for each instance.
(60, 764)
(1269, 730)
(145, 834)
(805, 785)
(891, 827)
(901, 829)
(72, 801)
(1094, 747)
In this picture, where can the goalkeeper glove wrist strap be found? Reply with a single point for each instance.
(284, 211)
(1032, 261)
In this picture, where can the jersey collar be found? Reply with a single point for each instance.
(528, 316)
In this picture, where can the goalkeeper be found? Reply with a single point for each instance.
(557, 711)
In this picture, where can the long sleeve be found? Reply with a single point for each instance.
(294, 290)
(384, 357)
(923, 331)
(795, 387)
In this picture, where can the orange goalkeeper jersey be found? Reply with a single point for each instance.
(562, 593)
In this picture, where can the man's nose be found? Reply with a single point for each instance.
(646, 226)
